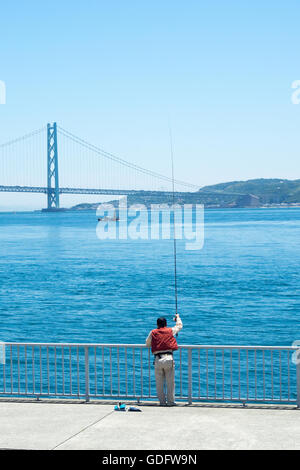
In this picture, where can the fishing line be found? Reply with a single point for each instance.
(174, 228)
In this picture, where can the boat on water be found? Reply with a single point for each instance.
(106, 218)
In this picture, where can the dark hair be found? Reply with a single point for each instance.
(161, 322)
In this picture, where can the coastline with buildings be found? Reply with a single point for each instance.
(265, 193)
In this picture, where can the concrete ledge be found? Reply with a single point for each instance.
(61, 425)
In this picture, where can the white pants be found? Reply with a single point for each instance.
(165, 373)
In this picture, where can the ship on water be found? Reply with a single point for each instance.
(107, 218)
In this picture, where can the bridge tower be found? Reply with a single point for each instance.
(52, 168)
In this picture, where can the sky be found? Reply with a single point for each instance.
(118, 72)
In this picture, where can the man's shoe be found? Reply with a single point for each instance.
(172, 404)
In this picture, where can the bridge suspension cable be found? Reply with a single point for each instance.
(121, 161)
(24, 137)
(23, 160)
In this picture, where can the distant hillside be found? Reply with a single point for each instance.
(269, 191)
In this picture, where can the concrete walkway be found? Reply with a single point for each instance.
(65, 425)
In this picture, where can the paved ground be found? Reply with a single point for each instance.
(57, 425)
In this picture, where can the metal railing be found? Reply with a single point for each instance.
(263, 374)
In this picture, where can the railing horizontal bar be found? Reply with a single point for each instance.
(183, 397)
(182, 346)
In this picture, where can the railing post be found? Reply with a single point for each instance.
(190, 389)
(298, 377)
(87, 373)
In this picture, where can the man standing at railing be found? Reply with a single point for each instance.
(162, 342)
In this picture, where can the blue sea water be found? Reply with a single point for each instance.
(60, 283)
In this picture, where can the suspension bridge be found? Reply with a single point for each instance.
(53, 161)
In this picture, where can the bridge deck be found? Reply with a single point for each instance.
(117, 192)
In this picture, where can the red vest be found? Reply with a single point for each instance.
(163, 340)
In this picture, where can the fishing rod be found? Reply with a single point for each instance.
(174, 229)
